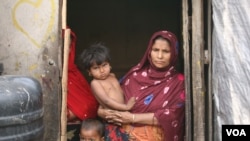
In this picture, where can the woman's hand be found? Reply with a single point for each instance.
(124, 117)
(120, 118)
(108, 115)
(103, 113)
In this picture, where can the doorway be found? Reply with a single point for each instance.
(125, 26)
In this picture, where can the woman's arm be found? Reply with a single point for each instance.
(132, 118)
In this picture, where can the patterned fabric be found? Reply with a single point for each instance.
(144, 133)
(80, 99)
(157, 91)
(115, 133)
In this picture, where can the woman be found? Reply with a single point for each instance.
(158, 114)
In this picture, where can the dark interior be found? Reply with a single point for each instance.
(125, 26)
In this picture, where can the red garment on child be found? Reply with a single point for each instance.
(80, 99)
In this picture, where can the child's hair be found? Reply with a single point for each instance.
(96, 53)
(94, 124)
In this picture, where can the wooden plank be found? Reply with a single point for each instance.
(64, 14)
(64, 82)
(198, 71)
(186, 50)
(65, 85)
(210, 97)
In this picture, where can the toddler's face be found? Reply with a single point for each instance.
(101, 71)
(90, 135)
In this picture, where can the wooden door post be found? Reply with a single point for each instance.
(198, 71)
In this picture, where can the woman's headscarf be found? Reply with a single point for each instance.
(158, 91)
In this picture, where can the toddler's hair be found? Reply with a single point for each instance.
(96, 53)
(93, 124)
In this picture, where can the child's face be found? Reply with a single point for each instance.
(90, 135)
(101, 71)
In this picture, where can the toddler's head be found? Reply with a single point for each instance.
(92, 130)
(95, 54)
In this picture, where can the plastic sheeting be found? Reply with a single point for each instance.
(231, 63)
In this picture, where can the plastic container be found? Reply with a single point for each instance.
(21, 109)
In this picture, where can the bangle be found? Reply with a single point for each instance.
(133, 119)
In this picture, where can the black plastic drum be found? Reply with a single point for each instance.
(21, 109)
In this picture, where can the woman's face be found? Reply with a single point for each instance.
(161, 53)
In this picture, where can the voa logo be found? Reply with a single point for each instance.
(236, 132)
